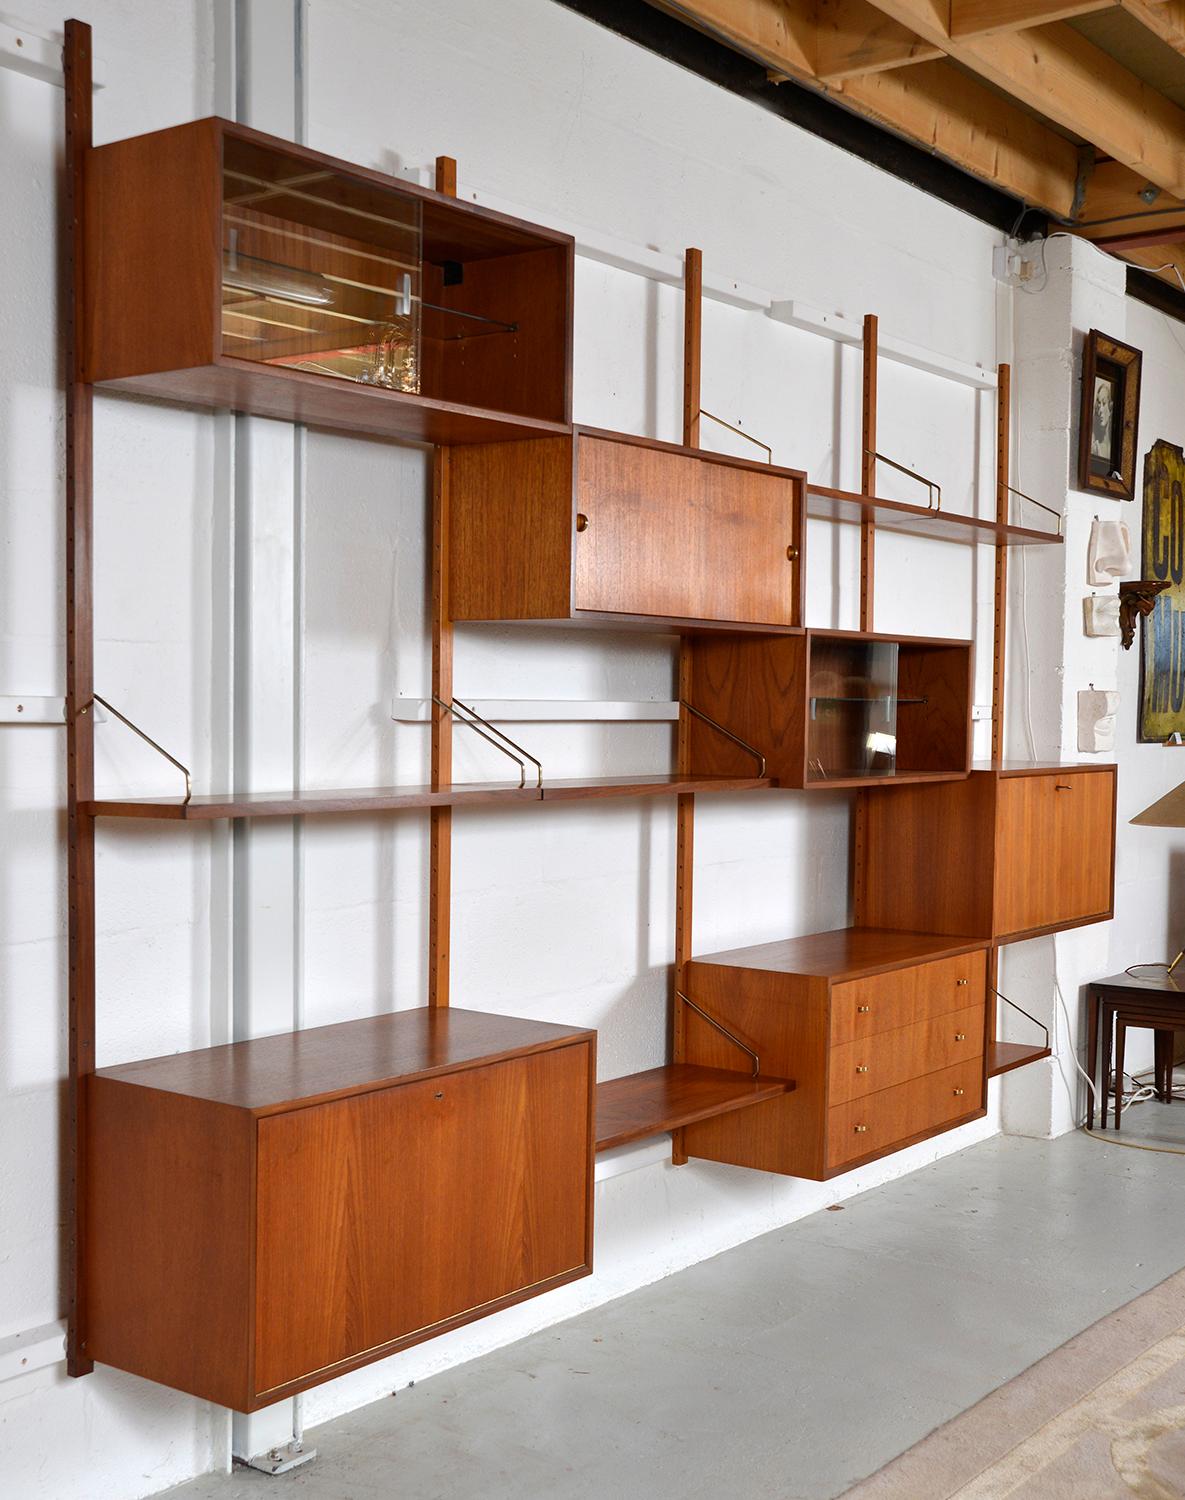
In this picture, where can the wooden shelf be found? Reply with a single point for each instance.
(845, 952)
(1002, 1057)
(336, 801)
(643, 1104)
(844, 507)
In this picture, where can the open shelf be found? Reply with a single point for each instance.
(844, 507)
(1002, 1057)
(335, 801)
(643, 1104)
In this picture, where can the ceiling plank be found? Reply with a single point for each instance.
(970, 18)
(780, 33)
(855, 38)
(1060, 74)
(1164, 18)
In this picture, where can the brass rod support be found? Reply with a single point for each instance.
(931, 485)
(727, 733)
(757, 443)
(496, 737)
(1040, 504)
(1000, 995)
(723, 1030)
(147, 738)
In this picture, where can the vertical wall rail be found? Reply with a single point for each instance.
(868, 474)
(440, 870)
(80, 761)
(1000, 622)
(693, 289)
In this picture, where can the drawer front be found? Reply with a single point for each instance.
(883, 1002)
(1055, 849)
(383, 1216)
(659, 525)
(881, 1121)
(892, 1057)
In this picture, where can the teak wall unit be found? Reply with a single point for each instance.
(604, 528)
(422, 1168)
(267, 1215)
(883, 1033)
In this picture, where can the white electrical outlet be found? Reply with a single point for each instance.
(1010, 264)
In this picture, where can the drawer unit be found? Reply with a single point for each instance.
(1011, 853)
(882, 1031)
(318, 1201)
(600, 526)
(892, 1057)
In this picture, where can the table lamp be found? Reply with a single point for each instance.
(1168, 812)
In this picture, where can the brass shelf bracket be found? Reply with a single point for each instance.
(494, 736)
(147, 738)
(1001, 996)
(723, 1030)
(935, 490)
(1040, 504)
(740, 432)
(727, 733)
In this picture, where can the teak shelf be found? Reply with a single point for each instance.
(1003, 1057)
(604, 528)
(805, 701)
(842, 507)
(167, 213)
(267, 1215)
(645, 1104)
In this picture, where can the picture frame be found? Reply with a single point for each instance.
(1109, 417)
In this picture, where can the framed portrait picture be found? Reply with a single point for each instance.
(1109, 418)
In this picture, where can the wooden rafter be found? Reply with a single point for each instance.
(970, 18)
(853, 39)
(1164, 18)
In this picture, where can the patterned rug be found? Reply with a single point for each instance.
(1101, 1418)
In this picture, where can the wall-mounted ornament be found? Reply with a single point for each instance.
(1100, 614)
(1137, 599)
(1162, 670)
(1096, 719)
(1108, 417)
(1109, 553)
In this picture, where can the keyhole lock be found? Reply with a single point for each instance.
(440, 1094)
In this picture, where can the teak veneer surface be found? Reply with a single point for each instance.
(273, 1073)
(846, 507)
(1003, 1057)
(605, 526)
(644, 1104)
(844, 953)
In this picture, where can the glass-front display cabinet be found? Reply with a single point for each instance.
(852, 709)
(229, 268)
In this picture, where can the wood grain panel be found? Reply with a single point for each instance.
(845, 952)
(934, 735)
(881, 1120)
(153, 254)
(861, 1008)
(891, 1057)
(1055, 849)
(644, 1104)
(668, 534)
(417, 1207)
(757, 689)
(170, 1212)
(784, 1019)
(511, 530)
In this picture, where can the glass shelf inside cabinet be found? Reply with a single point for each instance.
(853, 703)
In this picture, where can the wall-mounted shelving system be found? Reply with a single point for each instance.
(213, 265)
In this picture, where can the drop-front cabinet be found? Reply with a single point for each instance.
(601, 526)
(267, 1215)
(883, 1033)
(1012, 852)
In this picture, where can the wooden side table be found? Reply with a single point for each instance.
(1156, 1001)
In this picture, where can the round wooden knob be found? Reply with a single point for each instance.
(581, 521)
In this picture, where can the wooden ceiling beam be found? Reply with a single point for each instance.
(1164, 18)
(970, 18)
(854, 38)
(1119, 201)
(780, 33)
(1057, 72)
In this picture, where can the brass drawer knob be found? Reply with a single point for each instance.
(581, 521)
(960, 1036)
(958, 1093)
(791, 554)
(861, 1129)
(960, 981)
(861, 1068)
(862, 1010)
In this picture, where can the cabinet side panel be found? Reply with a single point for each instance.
(756, 689)
(934, 735)
(390, 1216)
(783, 1017)
(925, 858)
(673, 535)
(169, 1208)
(527, 371)
(153, 257)
(511, 530)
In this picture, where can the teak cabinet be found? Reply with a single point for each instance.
(229, 268)
(834, 708)
(883, 1033)
(267, 1215)
(599, 526)
(1012, 852)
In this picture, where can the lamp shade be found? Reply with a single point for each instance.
(1169, 812)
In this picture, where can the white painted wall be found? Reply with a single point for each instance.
(560, 912)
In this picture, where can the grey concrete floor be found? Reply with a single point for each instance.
(795, 1364)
